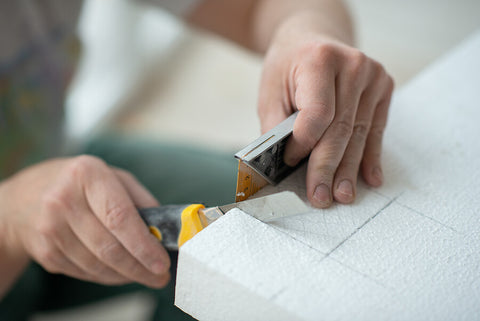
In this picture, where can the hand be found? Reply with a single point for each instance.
(78, 217)
(343, 98)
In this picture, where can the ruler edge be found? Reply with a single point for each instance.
(257, 147)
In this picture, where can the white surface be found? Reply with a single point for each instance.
(407, 35)
(407, 251)
(120, 43)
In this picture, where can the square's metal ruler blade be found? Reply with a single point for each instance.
(261, 162)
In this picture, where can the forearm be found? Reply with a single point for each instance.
(254, 23)
(13, 259)
(11, 266)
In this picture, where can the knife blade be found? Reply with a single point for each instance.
(174, 225)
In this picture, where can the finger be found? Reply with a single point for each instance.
(371, 162)
(344, 187)
(107, 249)
(71, 247)
(54, 261)
(328, 153)
(63, 265)
(315, 100)
(111, 203)
(140, 196)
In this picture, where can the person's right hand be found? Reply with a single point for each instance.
(78, 216)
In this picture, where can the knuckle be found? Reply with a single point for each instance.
(111, 252)
(321, 114)
(125, 174)
(47, 228)
(362, 68)
(377, 131)
(360, 130)
(84, 164)
(54, 206)
(378, 68)
(358, 61)
(55, 202)
(343, 128)
(116, 216)
(320, 53)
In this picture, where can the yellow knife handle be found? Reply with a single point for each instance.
(173, 225)
(191, 223)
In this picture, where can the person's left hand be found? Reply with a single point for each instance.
(342, 97)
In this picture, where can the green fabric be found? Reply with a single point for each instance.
(174, 174)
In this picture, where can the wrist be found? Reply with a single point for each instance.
(13, 258)
(306, 24)
(10, 243)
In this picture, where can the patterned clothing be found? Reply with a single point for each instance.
(38, 53)
(37, 57)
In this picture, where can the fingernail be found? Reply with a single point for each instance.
(345, 188)
(158, 267)
(322, 194)
(377, 176)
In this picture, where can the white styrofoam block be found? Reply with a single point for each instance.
(219, 278)
(325, 229)
(432, 133)
(433, 136)
(223, 271)
(425, 263)
(333, 291)
(409, 250)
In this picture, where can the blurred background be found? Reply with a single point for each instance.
(170, 83)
